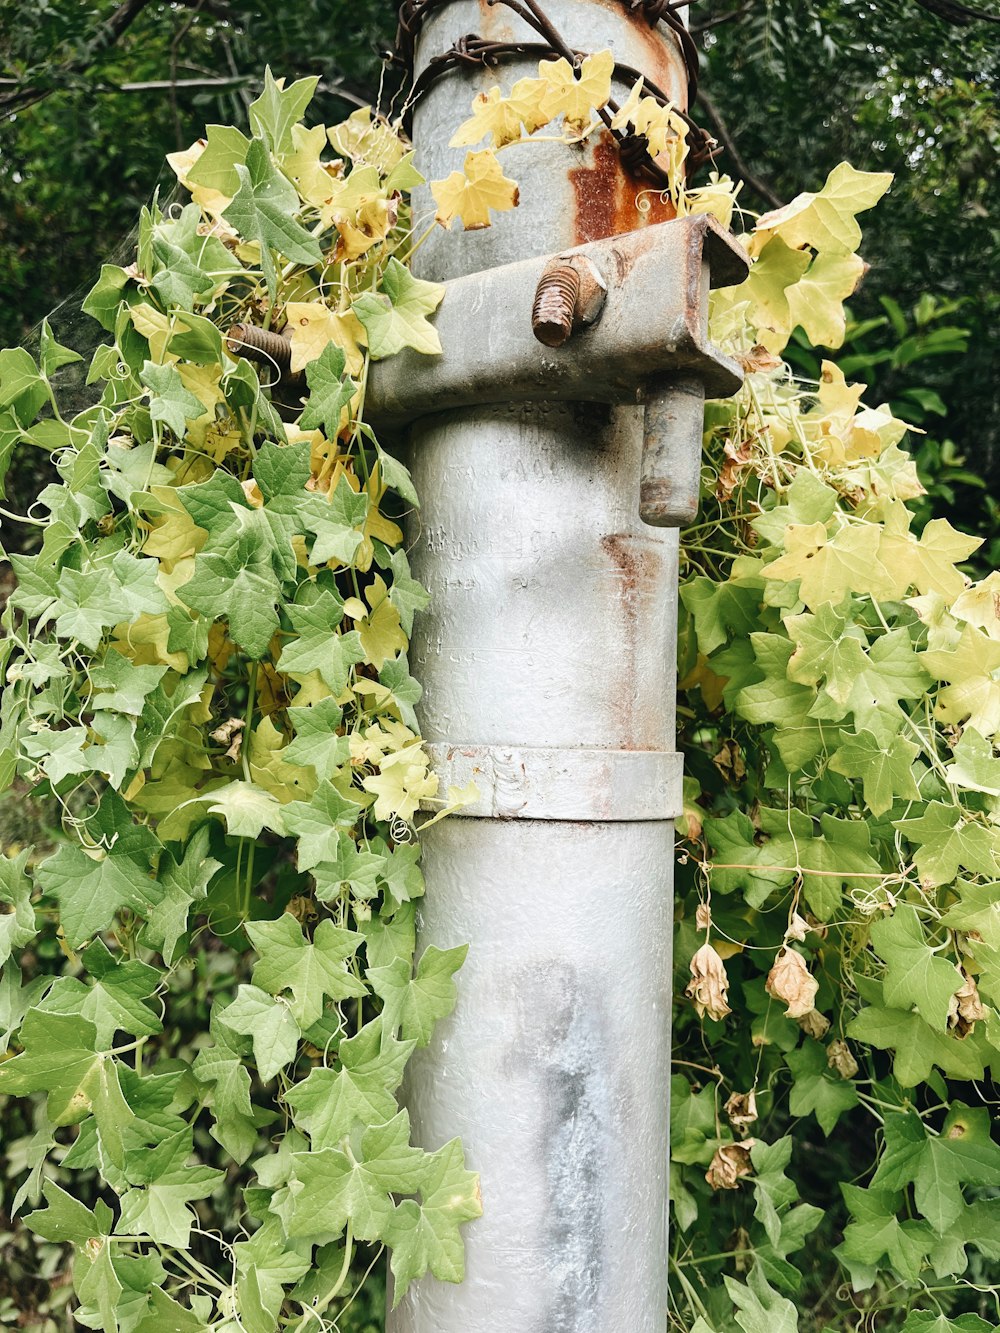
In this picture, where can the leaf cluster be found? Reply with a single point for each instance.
(206, 678)
(841, 861)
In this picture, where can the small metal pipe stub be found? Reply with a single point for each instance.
(570, 295)
(670, 476)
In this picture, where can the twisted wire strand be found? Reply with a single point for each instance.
(471, 49)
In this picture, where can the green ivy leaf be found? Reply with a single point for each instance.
(946, 841)
(222, 1065)
(760, 1308)
(406, 594)
(335, 1187)
(397, 317)
(262, 210)
(916, 975)
(182, 884)
(117, 998)
(289, 962)
(165, 1183)
(328, 1105)
(938, 1165)
(61, 1058)
(270, 1025)
(241, 586)
(918, 1046)
(317, 824)
(225, 149)
(974, 766)
(17, 916)
(316, 743)
(338, 524)
(425, 1237)
(877, 1235)
(120, 686)
(413, 1003)
(92, 886)
(169, 401)
(885, 768)
(925, 1321)
(278, 108)
(817, 1089)
(330, 390)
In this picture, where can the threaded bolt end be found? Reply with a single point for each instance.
(259, 345)
(554, 309)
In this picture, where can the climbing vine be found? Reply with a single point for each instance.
(205, 675)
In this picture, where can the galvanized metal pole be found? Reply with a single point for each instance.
(547, 661)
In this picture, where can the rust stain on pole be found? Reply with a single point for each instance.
(605, 197)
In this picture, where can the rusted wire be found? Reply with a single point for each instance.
(472, 49)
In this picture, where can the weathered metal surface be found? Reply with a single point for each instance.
(554, 1069)
(552, 618)
(568, 195)
(653, 322)
(552, 628)
(531, 782)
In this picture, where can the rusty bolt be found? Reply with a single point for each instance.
(259, 345)
(570, 294)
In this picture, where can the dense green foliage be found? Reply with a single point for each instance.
(838, 887)
(205, 679)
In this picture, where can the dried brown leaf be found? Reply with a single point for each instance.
(839, 1057)
(709, 985)
(790, 981)
(741, 1108)
(729, 1165)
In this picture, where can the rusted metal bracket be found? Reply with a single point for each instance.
(653, 324)
(644, 340)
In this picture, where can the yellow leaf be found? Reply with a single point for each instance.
(831, 567)
(777, 269)
(470, 194)
(288, 782)
(973, 697)
(623, 116)
(826, 220)
(702, 676)
(313, 178)
(204, 383)
(369, 225)
(928, 564)
(718, 197)
(372, 141)
(493, 115)
(816, 301)
(574, 95)
(980, 605)
(663, 130)
(144, 642)
(173, 535)
(157, 328)
(401, 783)
(381, 634)
(312, 326)
(181, 163)
(842, 431)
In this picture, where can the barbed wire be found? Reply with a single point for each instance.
(472, 49)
